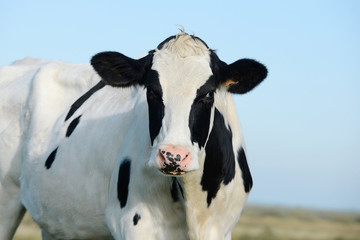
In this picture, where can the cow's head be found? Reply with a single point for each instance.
(182, 77)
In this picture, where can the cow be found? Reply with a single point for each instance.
(125, 148)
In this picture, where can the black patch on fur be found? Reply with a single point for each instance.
(218, 67)
(219, 163)
(77, 104)
(72, 126)
(156, 106)
(136, 219)
(199, 118)
(49, 161)
(246, 175)
(181, 190)
(123, 181)
(176, 189)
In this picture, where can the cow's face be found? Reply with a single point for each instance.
(182, 78)
(180, 93)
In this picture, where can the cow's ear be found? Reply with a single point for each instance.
(243, 75)
(119, 70)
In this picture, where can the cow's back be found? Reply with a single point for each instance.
(30, 90)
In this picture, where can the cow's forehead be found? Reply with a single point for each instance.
(183, 64)
(184, 45)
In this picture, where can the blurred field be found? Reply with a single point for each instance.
(27, 230)
(269, 223)
(273, 223)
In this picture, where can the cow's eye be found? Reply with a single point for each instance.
(210, 94)
(207, 98)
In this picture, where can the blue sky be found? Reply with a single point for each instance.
(301, 126)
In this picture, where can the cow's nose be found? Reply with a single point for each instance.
(174, 160)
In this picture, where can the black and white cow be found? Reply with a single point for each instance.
(137, 149)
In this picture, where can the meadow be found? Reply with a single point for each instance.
(269, 223)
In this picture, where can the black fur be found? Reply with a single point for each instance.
(176, 189)
(199, 118)
(49, 161)
(77, 104)
(181, 189)
(119, 70)
(246, 175)
(218, 67)
(136, 219)
(72, 126)
(219, 163)
(123, 181)
(155, 103)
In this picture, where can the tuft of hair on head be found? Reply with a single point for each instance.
(185, 45)
(181, 29)
(181, 33)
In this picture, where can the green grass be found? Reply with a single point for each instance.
(269, 223)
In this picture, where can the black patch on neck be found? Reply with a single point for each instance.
(176, 189)
(49, 161)
(72, 126)
(136, 219)
(77, 104)
(123, 181)
(156, 106)
(245, 171)
(219, 165)
(199, 118)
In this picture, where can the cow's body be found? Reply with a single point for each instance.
(78, 155)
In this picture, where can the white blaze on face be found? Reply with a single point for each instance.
(183, 66)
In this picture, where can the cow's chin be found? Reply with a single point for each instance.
(177, 173)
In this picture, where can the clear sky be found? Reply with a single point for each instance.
(301, 126)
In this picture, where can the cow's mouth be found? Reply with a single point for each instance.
(169, 170)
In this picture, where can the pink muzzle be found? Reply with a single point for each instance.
(173, 160)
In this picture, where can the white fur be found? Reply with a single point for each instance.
(77, 197)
